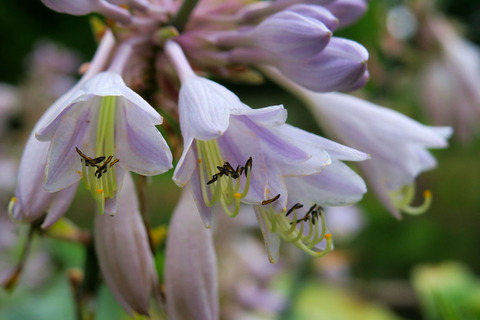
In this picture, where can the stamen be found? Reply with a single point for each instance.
(265, 202)
(294, 229)
(98, 172)
(403, 198)
(225, 185)
(11, 205)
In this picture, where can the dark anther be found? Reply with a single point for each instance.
(248, 166)
(293, 208)
(265, 202)
(89, 161)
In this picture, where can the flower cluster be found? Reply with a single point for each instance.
(233, 156)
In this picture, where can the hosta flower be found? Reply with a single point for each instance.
(100, 130)
(191, 268)
(31, 201)
(124, 255)
(303, 224)
(235, 154)
(397, 144)
(451, 83)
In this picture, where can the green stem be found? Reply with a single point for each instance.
(181, 19)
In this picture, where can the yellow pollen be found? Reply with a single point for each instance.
(14, 199)
(427, 194)
(99, 191)
(79, 172)
(199, 161)
(328, 236)
(237, 195)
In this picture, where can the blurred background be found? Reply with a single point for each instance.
(421, 267)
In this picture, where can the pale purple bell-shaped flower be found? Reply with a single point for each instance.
(397, 145)
(100, 130)
(286, 34)
(347, 11)
(31, 200)
(303, 224)
(191, 268)
(83, 7)
(233, 153)
(124, 254)
(220, 132)
(451, 92)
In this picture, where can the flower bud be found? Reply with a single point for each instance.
(124, 254)
(347, 11)
(341, 66)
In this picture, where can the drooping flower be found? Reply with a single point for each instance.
(191, 267)
(31, 200)
(100, 130)
(451, 92)
(397, 144)
(221, 133)
(124, 254)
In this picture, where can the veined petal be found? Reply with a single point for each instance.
(312, 141)
(31, 200)
(336, 185)
(186, 165)
(60, 202)
(63, 165)
(269, 116)
(204, 108)
(142, 149)
(271, 142)
(271, 239)
(191, 267)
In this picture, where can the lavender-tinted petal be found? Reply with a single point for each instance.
(342, 65)
(63, 164)
(124, 254)
(271, 239)
(111, 204)
(336, 185)
(312, 141)
(317, 12)
(269, 116)
(392, 124)
(142, 149)
(206, 212)
(31, 198)
(60, 202)
(186, 165)
(204, 108)
(292, 36)
(347, 11)
(190, 269)
(271, 142)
